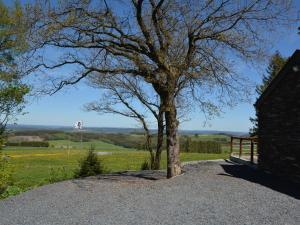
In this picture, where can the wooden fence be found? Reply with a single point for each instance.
(246, 146)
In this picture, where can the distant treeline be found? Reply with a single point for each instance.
(188, 143)
(29, 144)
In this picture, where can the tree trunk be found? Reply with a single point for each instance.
(149, 148)
(169, 109)
(160, 139)
(173, 161)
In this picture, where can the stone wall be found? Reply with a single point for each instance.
(279, 127)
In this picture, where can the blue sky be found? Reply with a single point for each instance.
(66, 107)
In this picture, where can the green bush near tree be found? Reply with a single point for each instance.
(5, 174)
(90, 165)
(57, 175)
(1, 141)
(145, 165)
(11, 191)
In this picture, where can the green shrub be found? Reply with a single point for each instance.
(1, 141)
(90, 165)
(11, 191)
(57, 175)
(145, 165)
(5, 174)
(92, 147)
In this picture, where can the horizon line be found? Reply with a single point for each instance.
(113, 127)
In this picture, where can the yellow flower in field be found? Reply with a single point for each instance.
(35, 155)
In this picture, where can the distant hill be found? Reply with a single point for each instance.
(114, 130)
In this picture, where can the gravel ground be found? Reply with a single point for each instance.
(207, 193)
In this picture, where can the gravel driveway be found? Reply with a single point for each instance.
(208, 193)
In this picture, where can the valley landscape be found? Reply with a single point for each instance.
(118, 151)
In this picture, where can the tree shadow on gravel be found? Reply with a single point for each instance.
(268, 180)
(134, 176)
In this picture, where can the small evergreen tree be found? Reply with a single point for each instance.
(91, 165)
(276, 63)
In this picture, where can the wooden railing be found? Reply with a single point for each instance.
(252, 141)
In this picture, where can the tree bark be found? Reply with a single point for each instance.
(148, 143)
(149, 148)
(160, 139)
(148, 137)
(173, 161)
(168, 107)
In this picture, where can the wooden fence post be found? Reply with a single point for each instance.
(241, 147)
(231, 145)
(252, 152)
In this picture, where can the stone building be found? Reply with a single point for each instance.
(278, 112)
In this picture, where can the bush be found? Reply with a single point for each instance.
(5, 174)
(145, 165)
(11, 191)
(29, 144)
(91, 165)
(1, 141)
(57, 175)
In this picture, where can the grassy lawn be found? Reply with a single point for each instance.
(99, 145)
(37, 166)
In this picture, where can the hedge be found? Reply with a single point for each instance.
(29, 144)
(201, 146)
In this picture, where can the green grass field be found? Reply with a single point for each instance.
(34, 167)
(99, 145)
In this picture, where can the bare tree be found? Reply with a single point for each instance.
(126, 96)
(183, 48)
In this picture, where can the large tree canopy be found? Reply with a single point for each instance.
(187, 50)
(12, 43)
(130, 97)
